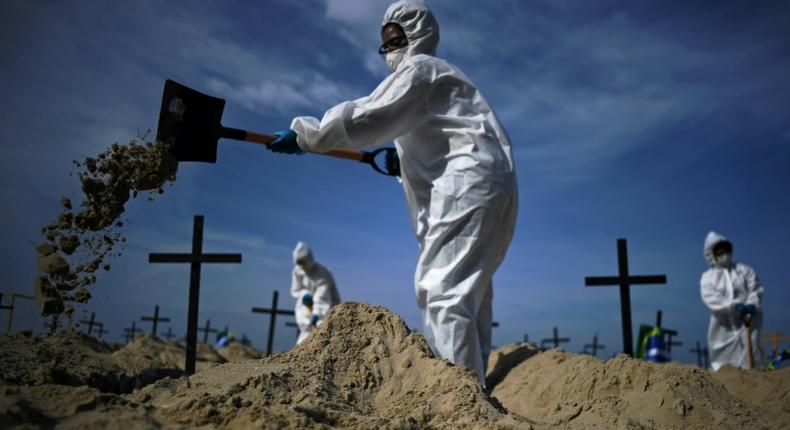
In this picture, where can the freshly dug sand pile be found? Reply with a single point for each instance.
(239, 352)
(78, 359)
(64, 359)
(579, 391)
(77, 243)
(767, 392)
(147, 352)
(502, 360)
(362, 368)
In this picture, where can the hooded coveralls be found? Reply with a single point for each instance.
(722, 288)
(457, 174)
(314, 279)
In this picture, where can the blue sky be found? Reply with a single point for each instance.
(653, 121)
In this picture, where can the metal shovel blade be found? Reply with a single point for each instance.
(191, 122)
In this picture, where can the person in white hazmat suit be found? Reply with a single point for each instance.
(457, 174)
(313, 288)
(730, 290)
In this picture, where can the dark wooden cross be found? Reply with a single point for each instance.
(131, 332)
(245, 340)
(667, 332)
(155, 319)
(699, 351)
(273, 312)
(169, 335)
(195, 259)
(12, 305)
(101, 331)
(494, 324)
(624, 280)
(206, 330)
(595, 346)
(526, 338)
(556, 339)
(91, 322)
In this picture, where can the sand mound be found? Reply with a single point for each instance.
(65, 359)
(148, 352)
(504, 359)
(577, 391)
(239, 352)
(766, 392)
(76, 359)
(361, 368)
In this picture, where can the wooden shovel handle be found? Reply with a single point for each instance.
(269, 138)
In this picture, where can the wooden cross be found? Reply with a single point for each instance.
(555, 339)
(595, 346)
(131, 332)
(169, 335)
(699, 351)
(526, 338)
(91, 322)
(245, 340)
(775, 338)
(624, 280)
(195, 259)
(101, 330)
(206, 330)
(11, 306)
(273, 312)
(155, 320)
(668, 332)
(494, 324)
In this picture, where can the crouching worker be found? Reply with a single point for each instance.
(733, 293)
(313, 288)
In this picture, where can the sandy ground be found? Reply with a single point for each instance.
(363, 368)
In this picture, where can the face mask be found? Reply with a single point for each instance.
(394, 58)
(723, 260)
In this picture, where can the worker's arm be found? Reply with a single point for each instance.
(716, 299)
(754, 288)
(397, 106)
(296, 284)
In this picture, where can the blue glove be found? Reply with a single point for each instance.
(307, 300)
(285, 143)
(751, 309)
(314, 320)
(740, 309)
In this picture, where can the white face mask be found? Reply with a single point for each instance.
(394, 58)
(724, 260)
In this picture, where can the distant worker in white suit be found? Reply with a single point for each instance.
(733, 293)
(457, 172)
(313, 288)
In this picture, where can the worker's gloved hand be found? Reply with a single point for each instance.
(285, 143)
(740, 309)
(314, 320)
(751, 310)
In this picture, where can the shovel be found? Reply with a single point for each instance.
(192, 122)
(747, 320)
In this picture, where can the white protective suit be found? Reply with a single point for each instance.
(457, 174)
(722, 287)
(313, 279)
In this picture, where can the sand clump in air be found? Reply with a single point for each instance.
(79, 242)
(556, 388)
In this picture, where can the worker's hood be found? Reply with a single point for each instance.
(303, 252)
(711, 240)
(418, 23)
